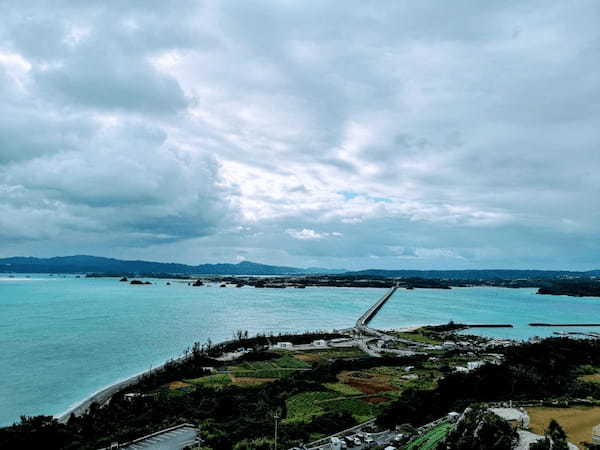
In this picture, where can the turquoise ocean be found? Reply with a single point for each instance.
(64, 338)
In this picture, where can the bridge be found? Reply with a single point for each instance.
(361, 323)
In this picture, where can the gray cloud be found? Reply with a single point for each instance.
(394, 134)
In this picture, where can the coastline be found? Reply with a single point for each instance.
(103, 395)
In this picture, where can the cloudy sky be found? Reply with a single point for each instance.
(355, 134)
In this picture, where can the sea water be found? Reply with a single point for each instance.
(64, 338)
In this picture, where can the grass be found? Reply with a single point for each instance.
(263, 373)
(213, 381)
(577, 422)
(285, 362)
(331, 353)
(591, 378)
(417, 336)
(360, 410)
(304, 407)
(430, 440)
(342, 388)
(289, 362)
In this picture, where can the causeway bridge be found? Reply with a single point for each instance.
(361, 323)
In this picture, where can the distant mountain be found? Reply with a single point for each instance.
(483, 274)
(96, 264)
(110, 266)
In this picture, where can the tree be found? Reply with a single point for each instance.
(555, 438)
(478, 429)
(542, 444)
(256, 444)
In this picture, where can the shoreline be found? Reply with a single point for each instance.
(103, 395)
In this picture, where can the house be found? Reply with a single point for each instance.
(453, 416)
(335, 443)
(130, 396)
(284, 345)
(472, 365)
(596, 434)
(449, 345)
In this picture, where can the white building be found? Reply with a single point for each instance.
(453, 416)
(596, 434)
(284, 345)
(472, 365)
(335, 443)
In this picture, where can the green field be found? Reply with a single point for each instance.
(342, 388)
(264, 373)
(306, 406)
(430, 440)
(285, 362)
(417, 336)
(213, 381)
(334, 353)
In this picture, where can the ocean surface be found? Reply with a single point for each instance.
(62, 339)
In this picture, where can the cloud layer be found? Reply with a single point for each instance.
(394, 134)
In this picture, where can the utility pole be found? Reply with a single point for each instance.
(276, 417)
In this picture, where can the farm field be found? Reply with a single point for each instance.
(329, 353)
(594, 378)
(304, 407)
(430, 439)
(577, 421)
(419, 335)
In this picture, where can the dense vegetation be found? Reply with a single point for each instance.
(574, 288)
(481, 429)
(543, 370)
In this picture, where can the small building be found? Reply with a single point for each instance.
(453, 416)
(175, 438)
(320, 343)
(472, 365)
(596, 434)
(284, 345)
(335, 443)
(130, 396)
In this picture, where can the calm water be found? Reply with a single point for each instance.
(488, 305)
(62, 339)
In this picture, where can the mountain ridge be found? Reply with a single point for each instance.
(104, 265)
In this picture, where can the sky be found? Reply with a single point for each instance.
(355, 134)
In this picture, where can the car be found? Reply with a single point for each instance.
(349, 441)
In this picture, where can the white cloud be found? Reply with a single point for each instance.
(213, 129)
(308, 234)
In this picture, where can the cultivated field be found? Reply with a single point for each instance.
(430, 439)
